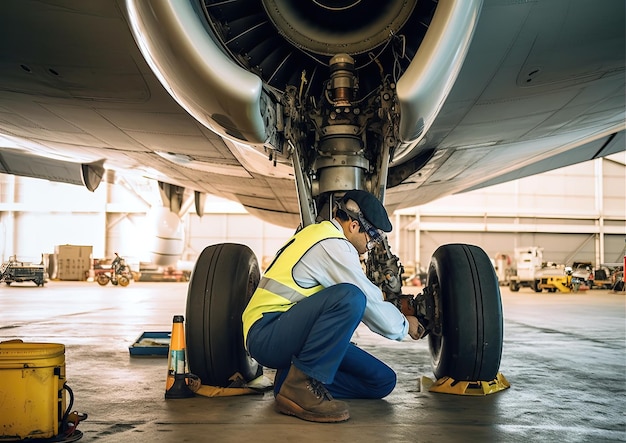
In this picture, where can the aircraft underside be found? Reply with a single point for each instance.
(330, 104)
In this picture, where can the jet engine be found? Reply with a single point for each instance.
(264, 73)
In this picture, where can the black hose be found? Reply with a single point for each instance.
(69, 408)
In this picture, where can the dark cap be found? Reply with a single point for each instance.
(372, 209)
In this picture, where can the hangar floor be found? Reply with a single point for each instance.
(564, 355)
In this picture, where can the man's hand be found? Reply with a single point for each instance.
(416, 331)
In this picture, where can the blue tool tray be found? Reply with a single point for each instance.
(151, 344)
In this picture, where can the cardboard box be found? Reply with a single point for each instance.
(73, 262)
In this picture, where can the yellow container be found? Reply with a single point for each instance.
(32, 398)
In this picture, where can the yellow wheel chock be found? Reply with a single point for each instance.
(447, 385)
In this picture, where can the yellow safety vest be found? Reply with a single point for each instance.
(277, 290)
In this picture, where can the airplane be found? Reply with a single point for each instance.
(283, 106)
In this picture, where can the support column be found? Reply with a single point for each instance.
(599, 194)
(8, 226)
(418, 241)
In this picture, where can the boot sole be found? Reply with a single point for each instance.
(288, 407)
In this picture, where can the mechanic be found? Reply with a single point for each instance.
(308, 304)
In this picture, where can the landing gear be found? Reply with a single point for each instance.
(465, 338)
(336, 143)
(466, 343)
(221, 285)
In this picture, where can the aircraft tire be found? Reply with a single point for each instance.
(223, 280)
(123, 280)
(465, 285)
(102, 279)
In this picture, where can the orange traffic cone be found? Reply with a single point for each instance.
(176, 384)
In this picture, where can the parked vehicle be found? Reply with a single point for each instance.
(582, 271)
(119, 273)
(566, 282)
(602, 278)
(528, 264)
(15, 271)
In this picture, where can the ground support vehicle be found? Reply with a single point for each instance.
(115, 279)
(561, 283)
(604, 277)
(583, 272)
(118, 274)
(528, 265)
(19, 272)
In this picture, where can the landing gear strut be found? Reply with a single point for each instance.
(338, 143)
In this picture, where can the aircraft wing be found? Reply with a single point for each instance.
(223, 98)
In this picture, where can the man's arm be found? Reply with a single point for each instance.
(334, 261)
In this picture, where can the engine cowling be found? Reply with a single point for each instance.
(229, 63)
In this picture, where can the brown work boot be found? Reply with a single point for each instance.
(308, 399)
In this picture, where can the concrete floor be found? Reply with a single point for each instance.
(564, 355)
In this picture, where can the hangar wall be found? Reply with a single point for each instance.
(576, 213)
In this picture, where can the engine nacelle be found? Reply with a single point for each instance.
(230, 63)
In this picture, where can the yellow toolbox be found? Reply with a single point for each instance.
(32, 397)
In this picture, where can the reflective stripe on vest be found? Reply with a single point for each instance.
(278, 288)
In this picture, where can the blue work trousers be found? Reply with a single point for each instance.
(314, 335)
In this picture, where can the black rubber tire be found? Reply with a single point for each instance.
(468, 295)
(102, 279)
(123, 280)
(224, 278)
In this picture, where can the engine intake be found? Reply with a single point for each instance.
(280, 39)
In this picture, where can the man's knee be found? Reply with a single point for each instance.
(387, 384)
(351, 294)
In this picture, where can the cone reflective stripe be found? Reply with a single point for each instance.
(176, 383)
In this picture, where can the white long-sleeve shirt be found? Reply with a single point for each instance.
(335, 260)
